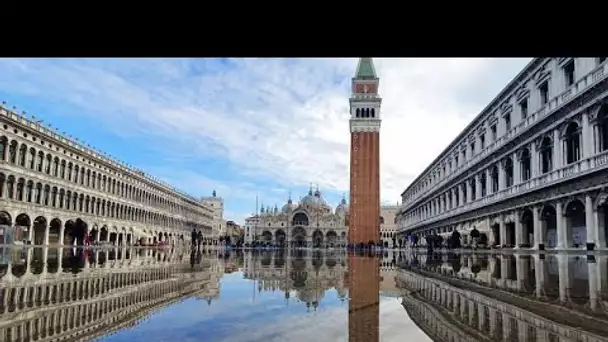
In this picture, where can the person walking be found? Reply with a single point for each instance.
(193, 237)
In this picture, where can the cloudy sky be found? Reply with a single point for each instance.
(248, 127)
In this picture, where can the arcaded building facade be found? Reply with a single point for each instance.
(388, 223)
(54, 190)
(530, 170)
(311, 222)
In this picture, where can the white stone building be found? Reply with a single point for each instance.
(388, 223)
(54, 190)
(218, 226)
(530, 170)
(311, 222)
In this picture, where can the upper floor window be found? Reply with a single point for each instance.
(482, 141)
(569, 73)
(472, 148)
(508, 122)
(494, 134)
(544, 93)
(523, 106)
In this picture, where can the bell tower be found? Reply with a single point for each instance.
(364, 211)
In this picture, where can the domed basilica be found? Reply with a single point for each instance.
(311, 222)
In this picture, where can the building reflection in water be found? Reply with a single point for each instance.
(519, 297)
(307, 275)
(72, 294)
(364, 298)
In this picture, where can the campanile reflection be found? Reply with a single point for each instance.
(363, 306)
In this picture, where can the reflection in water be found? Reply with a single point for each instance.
(364, 298)
(80, 294)
(71, 294)
(520, 297)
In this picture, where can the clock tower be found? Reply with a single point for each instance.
(364, 211)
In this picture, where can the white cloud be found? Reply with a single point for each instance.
(281, 120)
(332, 325)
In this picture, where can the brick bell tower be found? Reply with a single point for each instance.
(364, 211)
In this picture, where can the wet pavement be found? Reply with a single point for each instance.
(123, 294)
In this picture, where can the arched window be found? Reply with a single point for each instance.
(494, 179)
(525, 164)
(573, 143)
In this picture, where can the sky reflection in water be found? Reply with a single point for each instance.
(298, 296)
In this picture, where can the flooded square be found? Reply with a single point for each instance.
(139, 294)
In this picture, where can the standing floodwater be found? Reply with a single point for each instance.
(124, 294)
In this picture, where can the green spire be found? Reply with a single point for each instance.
(365, 68)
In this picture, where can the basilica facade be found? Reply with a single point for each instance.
(311, 222)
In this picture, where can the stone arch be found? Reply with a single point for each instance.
(6, 222)
(266, 236)
(549, 224)
(300, 219)
(317, 238)
(75, 231)
(23, 223)
(298, 236)
(332, 238)
(95, 233)
(570, 133)
(103, 233)
(54, 231)
(39, 230)
(280, 237)
(5, 219)
(576, 230)
(526, 218)
(381, 220)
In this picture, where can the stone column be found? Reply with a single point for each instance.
(501, 176)
(593, 280)
(454, 201)
(518, 229)
(469, 188)
(564, 276)
(557, 150)
(560, 226)
(516, 169)
(534, 160)
(590, 223)
(502, 230)
(600, 239)
(477, 186)
(537, 227)
(587, 137)
(539, 274)
(488, 181)
(461, 199)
